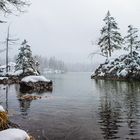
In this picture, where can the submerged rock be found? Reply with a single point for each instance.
(125, 67)
(29, 97)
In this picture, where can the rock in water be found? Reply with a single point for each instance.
(35, 83)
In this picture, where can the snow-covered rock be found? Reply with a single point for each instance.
(35, 83)
(34, 79)
(122, 67)
(2, 109)
(14, 134)
(2, 78)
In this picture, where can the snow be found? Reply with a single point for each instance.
(11, 69)
(53, 71)
(14, 134)
(123, 73)
(2, 78)
(10, 64)
(1, 109)
(18, 72)
(34, 79)
(118, 54)
(101, 74)
(123, 66)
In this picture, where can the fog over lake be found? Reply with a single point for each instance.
(65, 28)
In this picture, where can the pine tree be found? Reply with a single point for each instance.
(12, 6)
(132, 39)
(25, 61)
(110, 37)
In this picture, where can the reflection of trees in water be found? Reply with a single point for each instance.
(131, 102)
(4, 98)
(109, 111)
(119, 103)
(24, 105)
(7, 89)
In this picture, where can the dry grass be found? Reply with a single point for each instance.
(31, 137)
(4, 120)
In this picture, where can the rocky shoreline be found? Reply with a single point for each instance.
(38, 86)
(124, 68)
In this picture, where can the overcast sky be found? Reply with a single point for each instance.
(65, 28)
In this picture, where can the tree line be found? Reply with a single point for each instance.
(50, 63)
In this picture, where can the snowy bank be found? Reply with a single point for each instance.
(14, 134)
(124, 67)
(35, 83)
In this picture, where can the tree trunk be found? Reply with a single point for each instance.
(109, 47)
(7, 45)
(109, 43)
(131, 51)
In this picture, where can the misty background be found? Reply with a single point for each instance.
(67, 29)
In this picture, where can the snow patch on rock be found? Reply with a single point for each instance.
(35, 79)
(2, 109)
(2, 78)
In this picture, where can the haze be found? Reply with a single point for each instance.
(65, 28)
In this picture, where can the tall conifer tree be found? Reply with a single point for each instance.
(132, 41)
(110, 37)
(25, 61)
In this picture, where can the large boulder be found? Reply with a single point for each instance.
(35, 83)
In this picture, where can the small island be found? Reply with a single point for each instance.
(126, 66)
(25, 72)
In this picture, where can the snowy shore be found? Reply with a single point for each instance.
(125, 67)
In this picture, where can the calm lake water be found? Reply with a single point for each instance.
(78, 109)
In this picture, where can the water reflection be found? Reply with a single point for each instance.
(119, 108)
(131, 101)
(7, 88)
(78, 111)
(24, 106)
(25, 103)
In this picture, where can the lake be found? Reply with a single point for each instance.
(78, 108)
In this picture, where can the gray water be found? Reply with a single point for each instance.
(78, 109)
